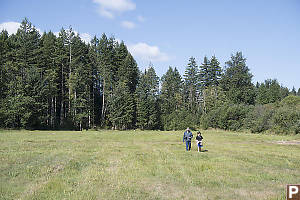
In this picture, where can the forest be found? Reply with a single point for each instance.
(60, 82)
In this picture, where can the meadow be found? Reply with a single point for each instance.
(145, 165)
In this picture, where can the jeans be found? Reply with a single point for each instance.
(188, 145)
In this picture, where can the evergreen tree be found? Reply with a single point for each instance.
(209, 73)
(123, 93)
(24, 102)
(268, 92)
(95, 84)
(171, 91)
(5, 47)
(80, 80)
(51, 74)
(107, 69)
(191, 83)
(236, 80)
(61, 62)
(215, 71)
(284, 92)
(293, 92)
(147, 100)
(205, 73)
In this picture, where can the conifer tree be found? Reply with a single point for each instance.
(123, 92)
(147, 100)
(191, 83)
(61, 61)
(293, 92)
(268, 92)
(236, 80)
(25, 97)
(107, 69)
(171, 91)
(5, 47)
(95, 84)
(51, 74)
(205, 73)
(215, 71)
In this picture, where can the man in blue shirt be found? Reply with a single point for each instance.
(187, 137)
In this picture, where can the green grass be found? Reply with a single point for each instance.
(145, 165)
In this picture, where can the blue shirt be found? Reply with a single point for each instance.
(187, 136)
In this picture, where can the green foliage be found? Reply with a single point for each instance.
(270, 92)
(286, 120)
(191, 85)
(171, 91)
(291, 102)
(293, 92)
(50, 82)
(236, 81)
(228, 117)
(61, 82)
(260, 118)
(180, 119)
(122, 107)
(210, 72)
(148, 111)
(213, 97)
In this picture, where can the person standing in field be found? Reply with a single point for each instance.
(199, 139)
(187, 137)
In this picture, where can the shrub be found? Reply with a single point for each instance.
(259, 119)
(286, 120)
(180, 120)
(228, 117)
(291, 101)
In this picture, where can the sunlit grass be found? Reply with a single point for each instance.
(145, 165)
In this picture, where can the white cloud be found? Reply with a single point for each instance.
(128, 24)
(11, 27)
(85, 37)
(118, 40)
(141, 18)
(108, 8)
(147, 52)
(106, 13)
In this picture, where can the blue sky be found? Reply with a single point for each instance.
(167, 33)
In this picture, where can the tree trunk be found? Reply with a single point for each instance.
(70, 73)
(89, 119)
(75, 103)
(55, 111)
(62, 111)
(52, 112)
(103, 103)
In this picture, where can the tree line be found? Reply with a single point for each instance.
(60, 82)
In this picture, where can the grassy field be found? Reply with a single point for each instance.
(145, 165)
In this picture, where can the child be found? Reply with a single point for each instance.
(199, 139)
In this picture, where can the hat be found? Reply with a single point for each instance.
(187, 129)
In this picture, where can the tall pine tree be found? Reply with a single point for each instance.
(148, 100)
(236, 81)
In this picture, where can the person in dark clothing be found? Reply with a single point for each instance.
(199, 139)
(187, 137)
